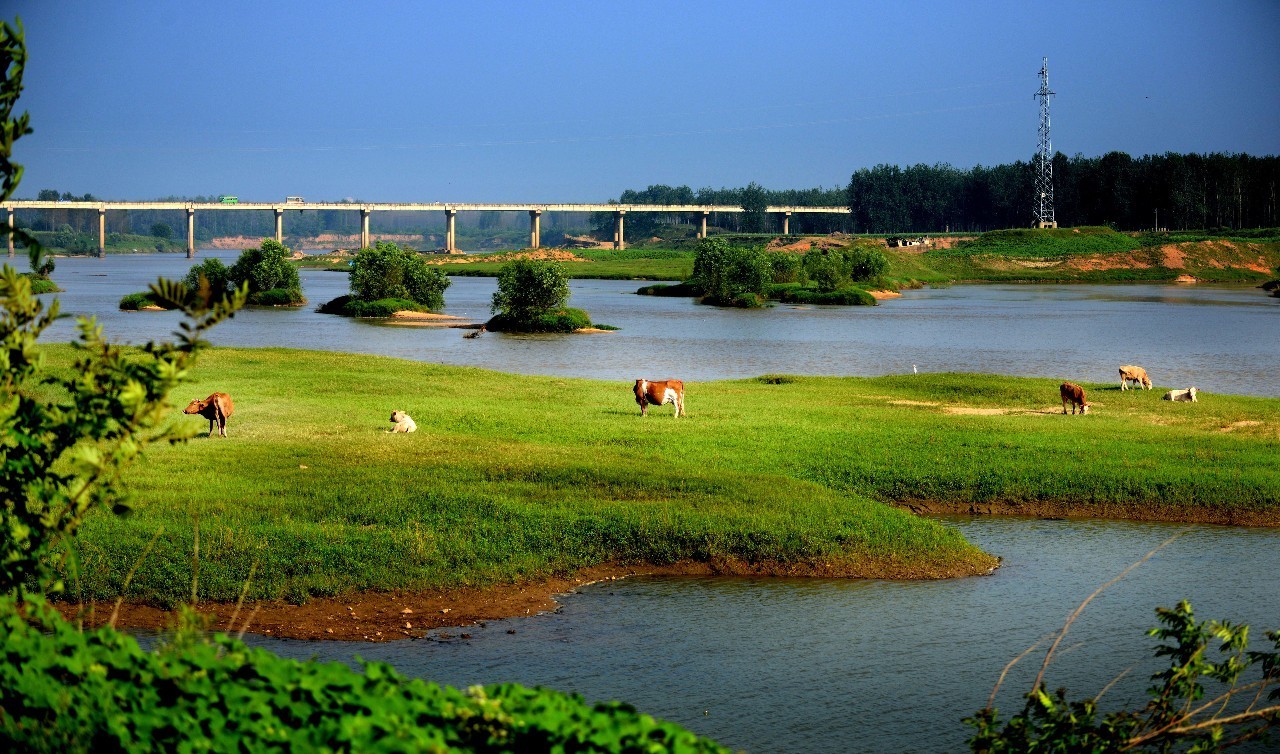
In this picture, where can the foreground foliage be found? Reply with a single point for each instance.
(65, 690)
(1177, 717)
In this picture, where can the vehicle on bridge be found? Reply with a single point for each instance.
(294, 200)
(228, 199)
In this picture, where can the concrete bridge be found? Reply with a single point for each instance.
(450, 213)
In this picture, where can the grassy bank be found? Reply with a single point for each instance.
(1093, 255)
(513, 478)
(603, 264)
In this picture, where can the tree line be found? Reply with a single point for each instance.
(1178, 191)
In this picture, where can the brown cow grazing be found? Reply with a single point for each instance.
(1130, 373)
(217, 408)
(650, 393)
(1073, 394)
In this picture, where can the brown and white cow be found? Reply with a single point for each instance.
(1073, 394)
(1188, 395)
(1130, 373)
(651, 393)
(217, 408)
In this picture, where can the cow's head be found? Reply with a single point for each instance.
(398, 416)
(1084, 408)
(641, 387)
(195, 406)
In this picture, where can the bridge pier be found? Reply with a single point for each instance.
(191, 233)
(535, 228)
(279, 226)
(11, 226)
(450, 231)
(702, 228)
(364, 227)
(102, 233)
(786, 223)
(619, 238)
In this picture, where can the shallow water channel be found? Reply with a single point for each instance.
(822, 665)
(804, 665)
(1220, 339)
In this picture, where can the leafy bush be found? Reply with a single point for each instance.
(561, 321)
(214, 271)
(730, 275)
(685, 290)
(135, 301)
(833, 269)
(277, 297)
(267, 268)
(71, 691)
(1177, 716)
(388, 271)
(793, 293)
(787, 267)
(529, 288)
(349, 306)
(42, 284)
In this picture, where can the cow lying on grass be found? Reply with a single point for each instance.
(1188, 395)
(217, 408)
(403, 422)
(1073, 394)
(1130, 373)
(649, 393)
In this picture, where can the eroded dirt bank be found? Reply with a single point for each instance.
(1114, 511)
(385, 616)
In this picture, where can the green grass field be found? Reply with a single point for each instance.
(513, 478)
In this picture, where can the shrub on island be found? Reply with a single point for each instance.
(532, 297)
(794, 293)
(387, 279)
(271, 277)
(138, 301)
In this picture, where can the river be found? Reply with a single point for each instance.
(823, 665)
(814, 665)
(1220, 339)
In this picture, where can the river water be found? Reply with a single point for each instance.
(823, 665)
(801, 665)
(1219, 339)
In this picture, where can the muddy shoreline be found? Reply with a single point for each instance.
(1105, 511)
(447, 613)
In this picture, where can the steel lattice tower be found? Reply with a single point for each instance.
(1044, 157)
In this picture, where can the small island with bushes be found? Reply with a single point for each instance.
(532, 297)
(271, 279)
(387, 279)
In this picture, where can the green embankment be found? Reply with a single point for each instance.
(1093, 255)
(623, 264)
(513, 478)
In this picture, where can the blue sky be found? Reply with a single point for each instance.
(570, 102)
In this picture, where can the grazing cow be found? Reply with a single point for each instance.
(649, 393)
(217, 408)
(1073, 394)
(1130, 373)
(1188, 395)
(403, 422)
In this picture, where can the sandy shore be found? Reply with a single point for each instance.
(428, 319)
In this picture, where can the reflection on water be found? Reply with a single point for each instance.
(883, 666)
(1218, 339)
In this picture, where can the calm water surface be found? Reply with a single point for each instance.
(1218, 339)
(878, 666)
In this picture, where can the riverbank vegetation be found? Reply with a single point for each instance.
(386, 279)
